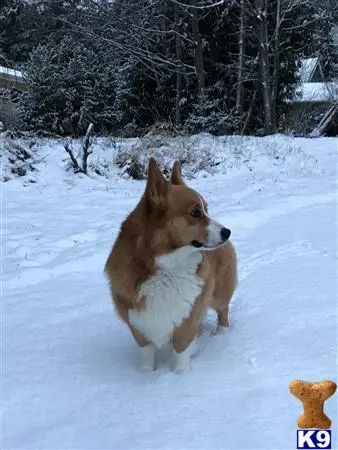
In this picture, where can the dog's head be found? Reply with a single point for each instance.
(177, 215)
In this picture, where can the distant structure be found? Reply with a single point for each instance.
(11, 81)
(11, 78)
(315, 104)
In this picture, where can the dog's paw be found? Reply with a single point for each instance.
(182, 362)
(145, 367)
(222, 330)
(182, 369)
(147, 359)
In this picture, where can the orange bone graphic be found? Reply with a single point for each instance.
(313, 396)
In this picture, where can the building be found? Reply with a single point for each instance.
(315, 103)
(11, 81)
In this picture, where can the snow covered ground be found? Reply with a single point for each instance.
(69, 365)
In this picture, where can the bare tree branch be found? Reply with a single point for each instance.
(75, 164)
(85, 151)
(152, 60)
(185, 5)
(87, 143)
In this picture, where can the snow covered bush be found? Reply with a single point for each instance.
(194, 154)
(210, 115)
(15, 158)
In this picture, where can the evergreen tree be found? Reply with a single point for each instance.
(68, 86)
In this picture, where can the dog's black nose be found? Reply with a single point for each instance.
(225, 234)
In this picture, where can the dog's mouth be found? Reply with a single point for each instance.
(202, 246)
(197, 244)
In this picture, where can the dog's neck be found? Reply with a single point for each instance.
(182, 257)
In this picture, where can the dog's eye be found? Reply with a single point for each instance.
(196, 213)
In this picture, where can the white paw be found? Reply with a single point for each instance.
(147, 358)
(182, 368)
(145, 368)
(182, 361)
(222, 330)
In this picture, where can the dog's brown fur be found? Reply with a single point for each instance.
(161, 223)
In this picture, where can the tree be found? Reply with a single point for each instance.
(241, 52)
(208, 65)
(68, 86)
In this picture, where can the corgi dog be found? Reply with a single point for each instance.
(169, 263)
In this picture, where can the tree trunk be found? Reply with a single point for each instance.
(249, 114)
(240, 82)
(199, 66)
(264, 63)
(275, 76)
(178, 74)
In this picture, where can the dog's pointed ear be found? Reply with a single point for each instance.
(157, 185)
(176, 174)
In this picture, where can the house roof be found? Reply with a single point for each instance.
(317, 92)
(307, 69)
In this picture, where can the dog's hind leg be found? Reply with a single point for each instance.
(222, 320)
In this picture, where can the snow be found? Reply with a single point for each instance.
(317, 92)
(11, 72)
(69, 365)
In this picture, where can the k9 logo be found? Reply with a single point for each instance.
(313, 439)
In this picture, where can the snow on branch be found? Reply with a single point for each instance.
(213, 5)
(87, 144)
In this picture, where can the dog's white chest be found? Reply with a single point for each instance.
(170, 295)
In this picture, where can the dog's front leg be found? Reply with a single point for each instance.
(183, 340)
(147, 358)
(147, 351)
(184, 335)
